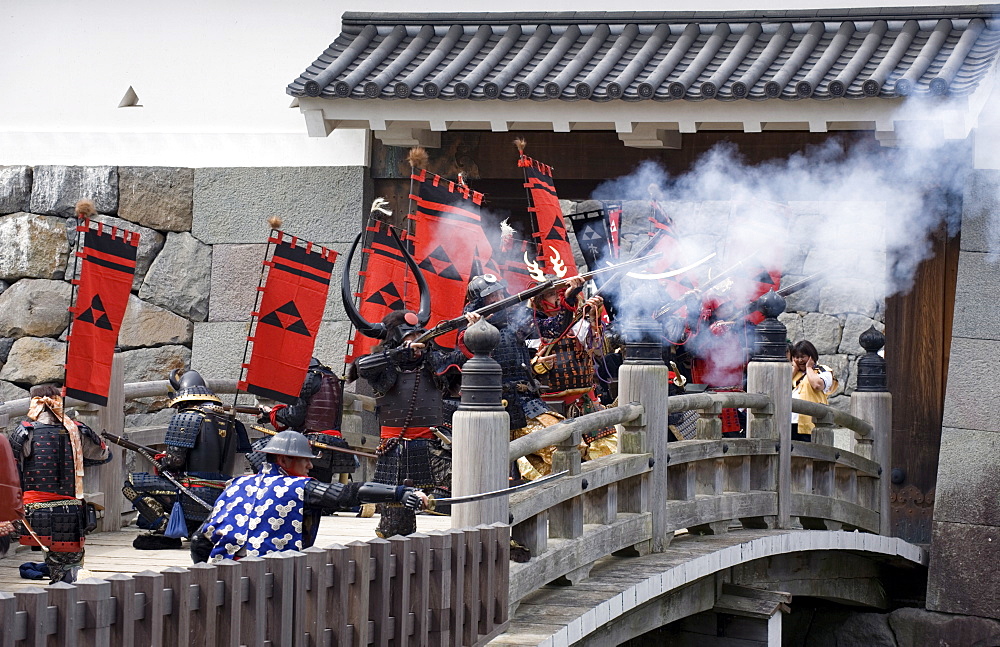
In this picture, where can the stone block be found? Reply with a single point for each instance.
(34, 360)
(977, 315)
(35, 308)
(232, 205)
(148, 364)
(55, 190)
(840, 365)
(15, 189)
(146, 325)
(793, 325)
(803, 300)
(150, 244)
(236, 275)
(972, 383)
(849, 296)
(865, 630)
(5, 345)
(33, 247)
(853, 327)
(156, 196)
(980, 205)
(918, 628)
(822, 330)
(179, 279)
(10, 391)
(968, 483)
(963, 576)
(217, 349)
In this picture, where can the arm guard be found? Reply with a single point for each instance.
(378, 370)
(331, 496)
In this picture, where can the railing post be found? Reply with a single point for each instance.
(770, 373)
(644, 378)
(108, 478)
(872, 401)
(481, 434)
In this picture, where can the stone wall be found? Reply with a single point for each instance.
(202, 240)
(965, 545)
(831, 317)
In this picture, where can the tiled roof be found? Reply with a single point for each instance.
(635, 56)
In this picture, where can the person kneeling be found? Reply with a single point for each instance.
(279, 508)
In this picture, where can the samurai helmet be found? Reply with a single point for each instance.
(289, 443)
(483, 285)
(189, 387)
(381, 330)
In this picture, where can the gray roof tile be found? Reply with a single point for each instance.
(635, 56)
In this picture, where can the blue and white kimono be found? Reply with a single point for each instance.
(259, 514)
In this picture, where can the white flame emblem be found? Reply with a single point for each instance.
(536, 272)
(381, 206)
(557, 263)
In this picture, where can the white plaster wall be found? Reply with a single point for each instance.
(210, 76)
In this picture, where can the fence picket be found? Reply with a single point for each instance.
(63, 597)
(8, 608)
(501, 585)
(420, 548)
(439, 589)
(380, 615)
(229, 612)
(457, 611)
(35, 602)
(203, 621)
(100, 611)
(177, 624)
(364, 593)
(402, 561)
(123, 591)
(472, 603)
(487, 536)
(281, 602)
(149, 630)
(254, 596)
(316, 620)
(340, 598)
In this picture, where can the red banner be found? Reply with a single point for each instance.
(384, 285)
(554, 252)
(108, 265)
(449, 244)
(512, 267)
(288, 319)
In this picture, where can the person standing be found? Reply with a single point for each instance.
(811, 381)
(52, 451)
(279, 508)
(318, 413)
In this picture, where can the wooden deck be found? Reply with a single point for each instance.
(111, 552)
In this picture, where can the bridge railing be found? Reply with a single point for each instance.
(634, 501)
(442, 588)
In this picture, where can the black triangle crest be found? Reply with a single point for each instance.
(97, 304)
(297, 326)
(103, 322)
(289, 309)
(96, 307)
(555, 234)
(87, 316)
(439, 254)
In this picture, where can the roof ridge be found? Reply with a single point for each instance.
(618, 17)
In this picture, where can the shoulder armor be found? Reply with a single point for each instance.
(184, 429)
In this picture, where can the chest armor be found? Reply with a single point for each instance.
(325, 409)
(50, 466)
(210, 438)
(407, 392)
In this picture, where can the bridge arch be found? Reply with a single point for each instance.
(626, 597)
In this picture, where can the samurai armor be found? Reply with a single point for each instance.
(325, 411)
(408, 460)
(572, 367)
(60, 525)
(329, 462)
(49, 468)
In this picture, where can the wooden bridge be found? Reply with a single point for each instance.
(712, 536)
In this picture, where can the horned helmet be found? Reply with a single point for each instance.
(395, 326)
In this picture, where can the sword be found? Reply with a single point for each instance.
(144, 451)
(319, 445)
(482, 496)
(666, 275)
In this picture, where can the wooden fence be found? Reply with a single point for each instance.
(435, 589)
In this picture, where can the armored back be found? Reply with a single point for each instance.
(326, 408)
(210, 439)
(50, 466)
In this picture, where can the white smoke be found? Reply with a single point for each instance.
(861, 214)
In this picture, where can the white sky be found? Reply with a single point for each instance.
(198, 66)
